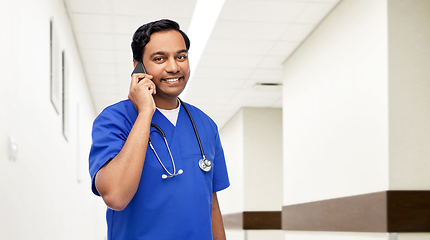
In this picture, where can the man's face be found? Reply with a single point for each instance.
(166, 59)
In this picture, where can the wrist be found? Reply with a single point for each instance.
(145, 114)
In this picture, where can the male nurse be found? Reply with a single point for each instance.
(160, 193)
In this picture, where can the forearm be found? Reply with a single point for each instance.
(117, 181)
(217, 223)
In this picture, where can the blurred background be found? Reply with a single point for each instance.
(323, 108)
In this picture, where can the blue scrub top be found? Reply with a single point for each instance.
(174, 208)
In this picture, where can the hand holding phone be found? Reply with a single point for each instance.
(141, 97)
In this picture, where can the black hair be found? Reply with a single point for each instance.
(143, 35)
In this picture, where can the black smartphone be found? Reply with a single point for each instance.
(139, 69)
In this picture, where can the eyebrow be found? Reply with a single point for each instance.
(164, 53)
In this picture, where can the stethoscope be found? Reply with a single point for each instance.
(204, 163)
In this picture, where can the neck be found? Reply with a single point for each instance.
(167, 104)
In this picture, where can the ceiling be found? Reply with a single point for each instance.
(249, 42)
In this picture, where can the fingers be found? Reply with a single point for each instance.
(137, 77)
(141, 93)
(144, 79)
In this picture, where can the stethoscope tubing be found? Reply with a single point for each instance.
(194, 127)
(168, 149)
(161, 132)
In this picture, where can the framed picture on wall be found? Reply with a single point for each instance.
(65, 96)
(55, 68)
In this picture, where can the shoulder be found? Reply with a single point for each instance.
(122, 109)
(201, 116)
(120, 113)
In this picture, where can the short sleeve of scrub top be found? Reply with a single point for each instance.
(110, 131)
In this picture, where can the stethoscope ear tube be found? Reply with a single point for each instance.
(194, 127)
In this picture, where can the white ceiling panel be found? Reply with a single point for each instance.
(100, 68)
(219, 109)
(216, 84)
(203, 93)
(272, 62)
(157, 9)
(92, 23)
(250, 41)
(262, 11)
(314, 12)
(266, 94)
(297, 32)
(105, 89)
(284, 48)
(121, 40)
(202, 101)
(89, 6)
(97, 79)
(213, 72)
(239, 47)
(124, 69)
(94, 41)
(122, 56)
(124, 24)
(246, 31)
(253, 102)
(97, 55)
(103, 97)
(326, 1)
(229, 61)
(267, 75)
(277, 103)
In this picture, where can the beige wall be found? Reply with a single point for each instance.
(262, 141)
(409, 89)
(356, 108)
(252, 142)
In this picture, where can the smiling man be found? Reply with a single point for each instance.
(156, 161)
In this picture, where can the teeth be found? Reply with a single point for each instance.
(172, 80)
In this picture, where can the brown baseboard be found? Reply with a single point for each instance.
(262, 220)
(254, 220)
(387, 211)
(408, 211)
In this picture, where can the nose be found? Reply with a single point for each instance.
(172, 66)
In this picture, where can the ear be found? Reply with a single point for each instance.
(135, 63)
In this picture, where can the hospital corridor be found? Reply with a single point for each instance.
(322, 109)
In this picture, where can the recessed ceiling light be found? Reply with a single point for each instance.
(267, 86)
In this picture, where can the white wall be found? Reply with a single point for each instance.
(335, 103)
(412, 236)
(45, 192)
(232, 199)
(298, 235)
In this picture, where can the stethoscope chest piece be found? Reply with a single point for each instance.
(205, 164)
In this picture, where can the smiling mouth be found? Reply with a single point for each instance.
(172, 80)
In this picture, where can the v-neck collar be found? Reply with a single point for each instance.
(159, 119)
